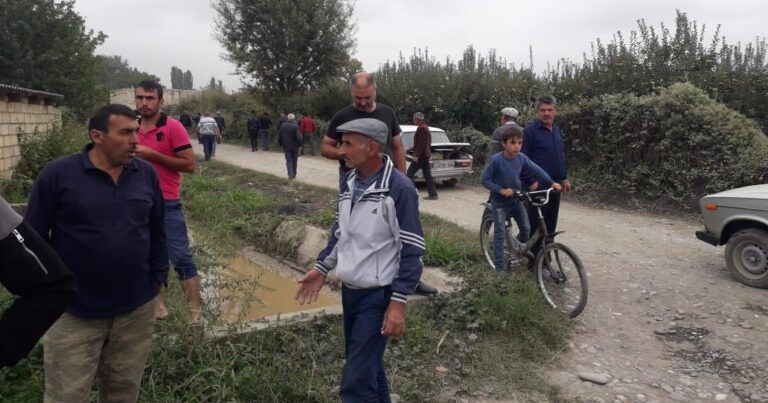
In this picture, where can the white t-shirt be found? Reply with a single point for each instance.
(207, 125)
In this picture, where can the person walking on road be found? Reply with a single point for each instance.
(253, 130)
(289, 138)
(264, 123)
(209, 134)
(422, 150)
(307, 126)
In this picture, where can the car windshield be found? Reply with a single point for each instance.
(438, 136)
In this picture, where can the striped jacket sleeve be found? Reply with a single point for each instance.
(326, 260)
(406, 201)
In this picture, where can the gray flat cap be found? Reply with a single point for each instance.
(371, 128)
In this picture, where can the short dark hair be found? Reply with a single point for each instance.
(512, 132)
(544, 100)
(100, 120)
(152, 85)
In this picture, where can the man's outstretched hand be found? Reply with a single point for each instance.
(309, 287)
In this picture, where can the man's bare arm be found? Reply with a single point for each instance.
(183, 161)
(328, 148)
(398, 153)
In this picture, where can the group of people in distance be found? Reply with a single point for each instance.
(103, 224)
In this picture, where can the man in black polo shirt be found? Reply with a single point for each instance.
(363, 90)
(102, 210)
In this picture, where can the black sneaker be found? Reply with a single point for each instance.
(431, 197)
(425, 289)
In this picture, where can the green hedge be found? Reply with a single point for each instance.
(674, 146)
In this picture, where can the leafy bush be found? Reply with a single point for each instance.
(40, 148)
(479, 144)
(674, 146)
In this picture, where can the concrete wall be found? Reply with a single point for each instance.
(21, 114)
(171, 97)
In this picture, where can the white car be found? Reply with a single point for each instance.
(448, 162)
(738, 219)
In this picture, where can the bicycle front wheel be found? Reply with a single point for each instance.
(486, 236)
(562, 279)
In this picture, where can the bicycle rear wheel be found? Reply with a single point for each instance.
(564, 282)
(486, 237)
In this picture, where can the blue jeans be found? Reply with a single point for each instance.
(363, 378)
(291, 162)
(500, 214)
(265, 139)
(178, 241)
(209, 141)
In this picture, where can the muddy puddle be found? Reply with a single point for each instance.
(257, 292)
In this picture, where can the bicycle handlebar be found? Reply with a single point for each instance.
(523, 196)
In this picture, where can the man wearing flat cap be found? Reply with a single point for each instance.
(508, 118)
(376, 245)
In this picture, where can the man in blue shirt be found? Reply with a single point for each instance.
(102, 210)
(543, 144)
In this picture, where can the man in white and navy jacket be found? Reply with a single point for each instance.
(376, 247)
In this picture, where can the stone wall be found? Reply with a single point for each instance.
(170, 97)
(22, 113)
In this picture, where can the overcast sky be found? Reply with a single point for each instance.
(157, 34)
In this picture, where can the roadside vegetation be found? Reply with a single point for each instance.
(492, 338)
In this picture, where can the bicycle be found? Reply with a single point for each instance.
(559, 272)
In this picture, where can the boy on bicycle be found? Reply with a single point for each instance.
(502, 177)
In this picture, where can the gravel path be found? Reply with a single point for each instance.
(665, 321)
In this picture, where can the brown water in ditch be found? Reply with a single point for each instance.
(273, 295)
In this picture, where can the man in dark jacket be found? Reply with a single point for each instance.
(289, 138)
(422, 151)
(186, 121)
(31, 269)
(102, 211)
(253, 130)
(264, 123)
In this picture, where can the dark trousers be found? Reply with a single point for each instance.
(549, 212)
(423, 164)
(363, 378)
(291, 161)
(208, 141)
(265, 139)
(253, 135)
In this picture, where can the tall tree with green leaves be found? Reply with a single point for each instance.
(286, 47)
(177, 78)
(186, 81)
(116, 72)
(46, 47)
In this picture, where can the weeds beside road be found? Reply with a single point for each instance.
(489, 340)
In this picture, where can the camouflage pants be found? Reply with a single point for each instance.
(114, 350)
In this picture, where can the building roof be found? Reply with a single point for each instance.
(5, 88)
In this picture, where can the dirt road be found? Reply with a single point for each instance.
(665, 321)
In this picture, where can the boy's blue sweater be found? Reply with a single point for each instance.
(500, 173)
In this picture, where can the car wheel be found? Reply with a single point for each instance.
(747, 257)
(451, 182)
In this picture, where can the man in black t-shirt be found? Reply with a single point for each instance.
(364, 105)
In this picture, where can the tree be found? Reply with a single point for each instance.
(177, 78)
(286, 47)
(46, 47)
(115, 73)
(187, 81)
